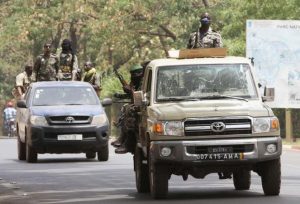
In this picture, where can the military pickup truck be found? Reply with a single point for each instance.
(201, 116)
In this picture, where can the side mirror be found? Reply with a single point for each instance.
(21, 104)
(106, 102)
(138, 97)
(259, 85)
(269, 94)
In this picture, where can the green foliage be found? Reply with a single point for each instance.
(122, 32)
(111, 84)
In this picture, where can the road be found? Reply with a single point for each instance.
(70, 178)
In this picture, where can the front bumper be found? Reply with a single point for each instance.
(180, 154)
(44, 139)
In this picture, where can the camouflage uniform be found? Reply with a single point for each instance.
(45, 68)
(209, 39)
(68, 67)
(129, 114)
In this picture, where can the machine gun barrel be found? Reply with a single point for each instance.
(120, 77)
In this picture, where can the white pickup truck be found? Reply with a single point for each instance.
(205, 115)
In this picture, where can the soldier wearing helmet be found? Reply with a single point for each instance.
(90, 75)
(136, 75)
(205, 37)
(128, 118)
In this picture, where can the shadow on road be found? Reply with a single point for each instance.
(61, 160)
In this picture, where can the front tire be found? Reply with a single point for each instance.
(103, 154)
(159, 181)
(31, 154)
(21, 150)
(271, 177)
(242, 179)
(141, 172)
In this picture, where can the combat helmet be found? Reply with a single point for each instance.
(136, 68)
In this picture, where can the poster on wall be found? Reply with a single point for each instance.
(274, 47)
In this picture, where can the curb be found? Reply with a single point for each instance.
(295, 147)
(6, 137)
(291, 147)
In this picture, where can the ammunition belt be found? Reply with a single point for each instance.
(65, 69)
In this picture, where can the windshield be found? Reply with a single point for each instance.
(55, 96)
(217, 81)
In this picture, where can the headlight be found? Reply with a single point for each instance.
(174, 128)
(261, 125)
(100, 120)
(38, 120)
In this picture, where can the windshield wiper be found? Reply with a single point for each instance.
(222, 97)
(71, 104)
(171, 99)
(179, 99)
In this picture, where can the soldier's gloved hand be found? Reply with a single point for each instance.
(127, 88)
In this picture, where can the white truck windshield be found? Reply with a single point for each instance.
(216, 81)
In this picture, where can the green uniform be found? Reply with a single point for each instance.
(129, 114)
(45, 68)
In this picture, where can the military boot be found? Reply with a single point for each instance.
(121, 150)
(116, 143)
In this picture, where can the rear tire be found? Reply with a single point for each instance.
(103, 154)
(31, 154)
(242, 179)
(90, 155)
(159, 181)
(271, 177)
(21, 150)
(141, 172)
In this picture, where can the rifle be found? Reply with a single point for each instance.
(120, 77)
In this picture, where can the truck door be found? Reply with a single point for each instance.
(144, 108)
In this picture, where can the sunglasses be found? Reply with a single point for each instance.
(47, 46)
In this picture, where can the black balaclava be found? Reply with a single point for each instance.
(66, 46)
(136, 78)
(205, 21)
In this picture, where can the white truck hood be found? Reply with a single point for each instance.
(209, 108)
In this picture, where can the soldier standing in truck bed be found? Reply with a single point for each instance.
(205, 37)
(68, 65)
(45, 66)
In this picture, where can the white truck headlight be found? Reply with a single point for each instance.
(38, 120)
(99, 120)
(261, 125)
(174, 128)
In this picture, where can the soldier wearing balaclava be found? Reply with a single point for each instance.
(68, 65)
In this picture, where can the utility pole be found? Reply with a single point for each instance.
(288, 125)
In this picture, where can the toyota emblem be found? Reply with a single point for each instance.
(69, 119)
(218, 126)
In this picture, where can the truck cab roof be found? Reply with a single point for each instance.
(212, 60)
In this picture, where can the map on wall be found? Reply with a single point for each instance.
(274, 46)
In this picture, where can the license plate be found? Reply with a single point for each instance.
(70, 137)
(221, 156)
